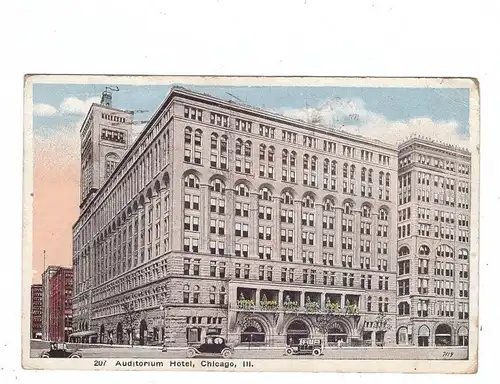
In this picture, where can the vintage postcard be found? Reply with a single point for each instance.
(251, 224)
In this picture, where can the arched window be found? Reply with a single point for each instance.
(186, 287)
(265, 194)
(213, 141)
(239, 145)
(369, 304)
(363, 174)
(192, 181)
(348, 208)
(287, 198)
(262, 152)
(111, 161)
(270, 154)
(365, 211)
(380, 304)
(197, 137)
(188, 135)
(424, 250)
(218, 185)
(314, 161)
(382, 214)
(242, 190)
(326, 166)
(284, 157)
(353, 172)
(223, 145)
(248, 149)
(334, 168)
(345, 170)
(329, 205)
(404, 251)
(308, 201)
(387, 179)
(293, 158)
(370, 175)
(381, 178)
(445, 251)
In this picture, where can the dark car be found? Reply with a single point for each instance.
(213, 346)
(58, 350)
(306, 347)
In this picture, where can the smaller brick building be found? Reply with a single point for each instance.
(61, 313)
(36, 311)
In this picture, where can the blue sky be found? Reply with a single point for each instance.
(394, 104)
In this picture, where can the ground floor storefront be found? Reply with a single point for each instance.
(428, 333)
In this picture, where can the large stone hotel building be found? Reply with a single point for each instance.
(433, 243)
(224, 218)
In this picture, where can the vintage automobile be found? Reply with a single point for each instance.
(214, 345)
(306, 347)
(60, 350)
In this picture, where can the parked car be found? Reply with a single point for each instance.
(308, 346)
(214, 345)
(60, 350)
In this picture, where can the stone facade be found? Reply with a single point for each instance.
(224, 218)
(433, 262)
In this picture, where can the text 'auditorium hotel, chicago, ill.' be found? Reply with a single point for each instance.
(225, 218)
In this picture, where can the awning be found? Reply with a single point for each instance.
(83, 334)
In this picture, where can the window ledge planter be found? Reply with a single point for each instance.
(246, 304)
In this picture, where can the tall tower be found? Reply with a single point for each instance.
(105, 138)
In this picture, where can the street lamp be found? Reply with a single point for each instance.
(164, 347)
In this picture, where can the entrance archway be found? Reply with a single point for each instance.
(423, 336)
(253, 332)
(402, 337)
(296, 330)
(463, 336)
(102, 334)
(119, 334)
(337, 332)
(442, 335)
(143, 332)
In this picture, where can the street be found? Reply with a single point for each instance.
(387, 353)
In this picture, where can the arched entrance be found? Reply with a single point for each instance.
(442, 335)
(463, 336)
(337, 332)
(296, 330)
(119, 334)
(143, 332)
(253, 332)
(402, 337)
(102, 335)
(423, 336)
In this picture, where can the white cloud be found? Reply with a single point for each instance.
(136, 131)
(351, 115)
(44, 110)
(75, 106)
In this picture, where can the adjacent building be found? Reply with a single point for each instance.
(47, 274)
(434, 189)
(229, 219)
(36, 309)
(60, 306)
